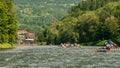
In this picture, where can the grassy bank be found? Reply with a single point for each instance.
(6, 46)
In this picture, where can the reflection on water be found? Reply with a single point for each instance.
(56, 57)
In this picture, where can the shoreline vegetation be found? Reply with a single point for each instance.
(4, 46)
(8, 24)
(100, 16)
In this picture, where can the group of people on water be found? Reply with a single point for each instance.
(67, 45)
(108, 45)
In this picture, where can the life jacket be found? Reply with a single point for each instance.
(108, 48)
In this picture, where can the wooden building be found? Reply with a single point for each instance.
(25, 37)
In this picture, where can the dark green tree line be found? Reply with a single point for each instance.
(91, 20)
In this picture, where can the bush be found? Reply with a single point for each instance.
(6, 46)
(89, 43)
(42, 43)
(118, 40)
(101, 43)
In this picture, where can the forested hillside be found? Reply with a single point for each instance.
(33, 14)
(90, 21)
(8, 22)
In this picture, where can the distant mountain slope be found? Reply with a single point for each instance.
(41, 12)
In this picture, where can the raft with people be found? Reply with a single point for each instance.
(70, 45)
(108, 46)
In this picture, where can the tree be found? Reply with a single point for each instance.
(8, 22)
(87, 26)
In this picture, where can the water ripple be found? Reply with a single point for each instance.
(56, 57)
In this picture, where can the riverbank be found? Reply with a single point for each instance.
(6, 46)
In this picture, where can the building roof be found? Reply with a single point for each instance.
(21, 32)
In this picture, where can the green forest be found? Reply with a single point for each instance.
(35, 14)
(8, 22)
(89, 21)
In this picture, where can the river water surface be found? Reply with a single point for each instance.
(56, 57)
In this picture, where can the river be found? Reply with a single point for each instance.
(56, 57)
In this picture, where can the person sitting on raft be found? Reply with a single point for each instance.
(63, 45)
(104, 49)
(108, 45)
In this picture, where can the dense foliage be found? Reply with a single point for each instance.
(90, 21)
(8, 22)
(33, 14)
